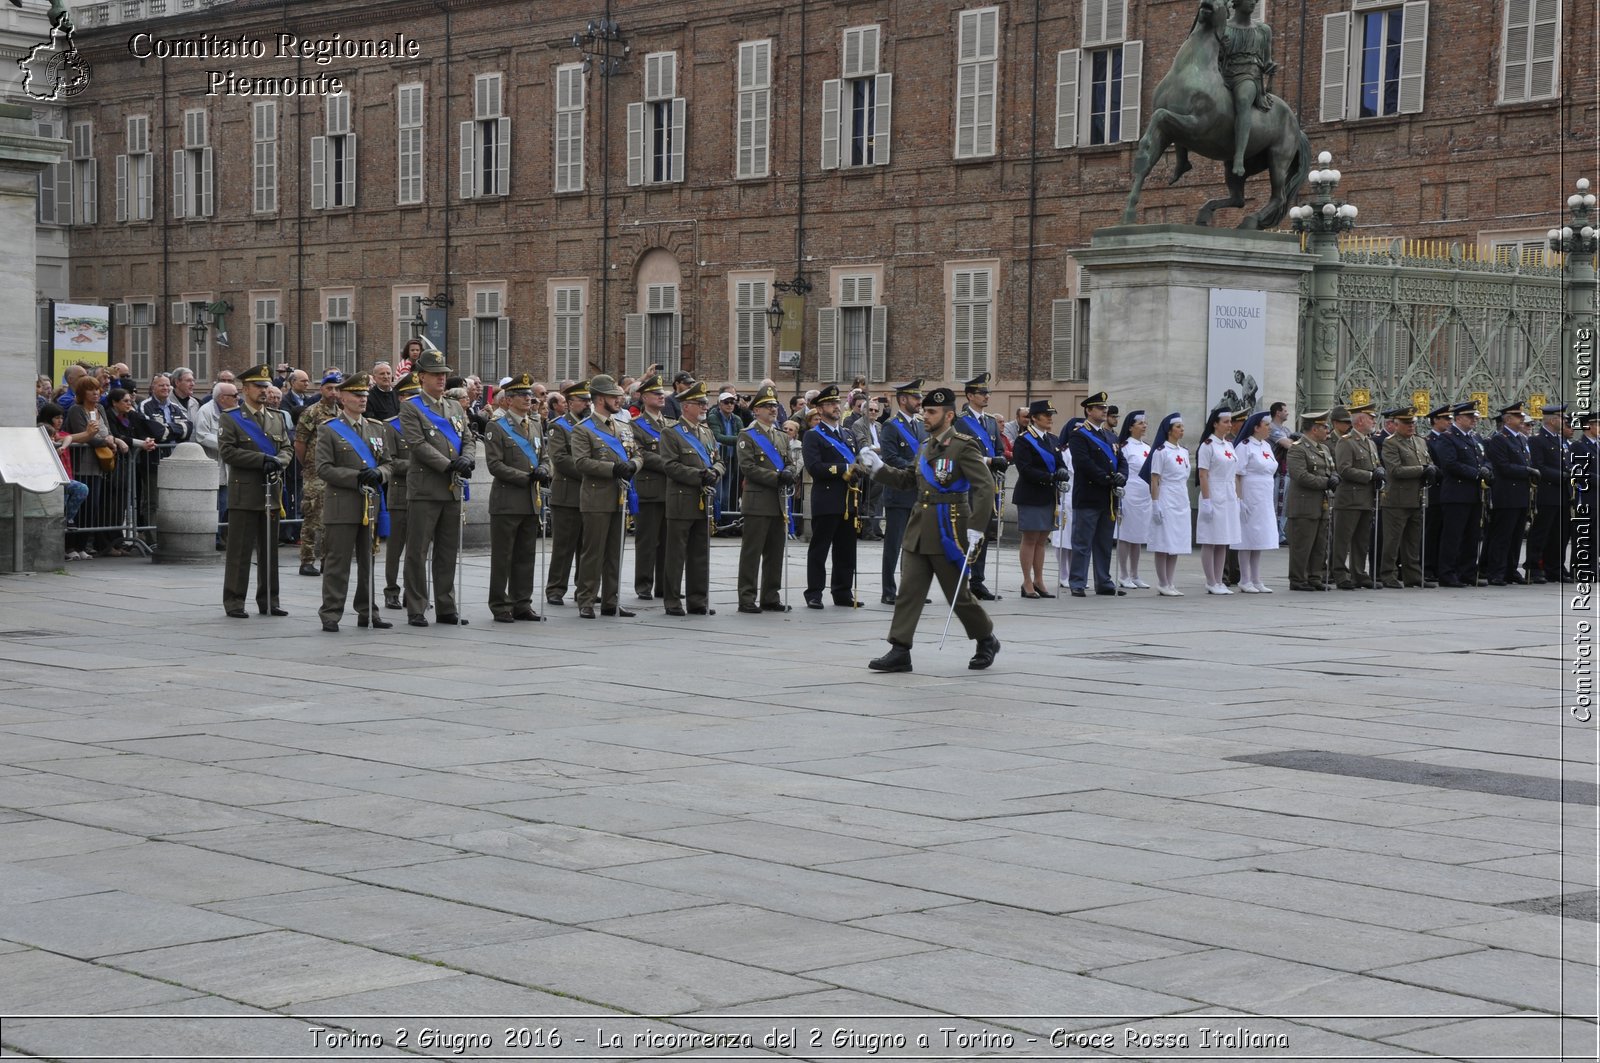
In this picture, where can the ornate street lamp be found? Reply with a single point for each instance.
(1578, 236)
(1322, 220)
(603, 46)
(419, 324)
(1324, 215)
(1578, 241)
(218, 311)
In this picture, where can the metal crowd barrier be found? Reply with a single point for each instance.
(120, 510)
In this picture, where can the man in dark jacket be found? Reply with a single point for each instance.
(1549, 448)
(1099, 474)
(1515, 480)
(834, 505)
(1461, 498)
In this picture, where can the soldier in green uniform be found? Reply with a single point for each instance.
(1411, 472)
(442, 451)
(1361, 477)
(1305, 508)
(769, 480)
(602, 452)
(941, 533)
(254, 444)
(566, 524)
(395, 493)
(650, 523)
(689, 453)
(511, 447)
(305, 451)
(353, 461)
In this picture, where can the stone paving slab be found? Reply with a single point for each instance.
(106, 924)
(179, 873)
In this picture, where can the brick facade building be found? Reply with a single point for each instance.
(932, 163)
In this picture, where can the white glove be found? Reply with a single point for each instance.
(1205, 507)
(974, 537)
(870, 460)
(1158, 517)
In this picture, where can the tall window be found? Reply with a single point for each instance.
(486, 142)
(1098, 84)
(856, 107)
(55, 181)
(85, 176)
(566, 326)
(333, 158)
(655, 336)
(408, 144)
(568, 152)
(405, 314)
(852, 335)
(656, 127)
(191, 169)
(1531, 53)
(269, 331)
(1374, 60)
(972, 321)
(977, 64)
(264, 147)
(133, 172)
(485, 337)
(333, 339)
(748, 358)
(751, 149)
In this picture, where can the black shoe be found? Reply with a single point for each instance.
(1346, 585)
(417, 621)
(1111, 592)
(1516, 577)
(451, 619)
(1042, 593)
(503, 618)
(554, 599)
(377, 623)
(646, 596)
(848, 603)
(526, 614)
(1497, 583)
(275, 611)
(1538, 577)
(775, 607)
(586, 612)
(672, 610)
(988, 646)
(1301, 587)
(887, 599)
(749, 607)
(983, 594)
(813, 603)
(1394, 584)
(704, 610)
(1078, 592)
(617, 610)
(238, 614)
(392, 601)
(898, 659)
(309, 568)
(1429, 584)
(331, 625)
(1026, 593)
(1451, 583)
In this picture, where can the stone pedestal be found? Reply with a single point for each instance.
(43, 530)
(475, 536)
(186, 513)
(1149, 290)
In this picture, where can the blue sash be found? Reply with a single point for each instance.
(1043, 452)
(1100, 441)
(649, 430)
(899, 426)
(954, 552)
(759, 438)
(971, 421)
(522, 442)
(364, 452)
(699, 447)
(837, 444)
(622, 455)
(257, 435)
(448, 430)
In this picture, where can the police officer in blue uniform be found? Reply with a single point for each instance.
(1462, 498)
(899, 439)
(1099, 472)
(834, 507)
(1551, 456)
(983, 428)
(1511, 493)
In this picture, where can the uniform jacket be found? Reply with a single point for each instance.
(1461, 463)
(1354, 457)
(651, 483)
(1436, 453)
(1092, 467)
(338, 464)
(1550, 458)
(394, 490)
(763, 495)
(1513, 469)
(900, 439)
(990, 426)
(246, 463)
(1035, 484)
(1310, 466)
(305, 433)
(558, 452)
(831, 475)
(1585, 469)
(922, 530)
(512, 493)
(429, 478)
(593, 459)
(1406, 460)
(686, 496)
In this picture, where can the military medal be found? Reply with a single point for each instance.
(944, 470)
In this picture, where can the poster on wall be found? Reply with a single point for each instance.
(1236, 349)
(82, 334)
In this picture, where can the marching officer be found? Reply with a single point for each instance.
(352, 461)
(511, 447)
(769, 481)
(1312, 481)
(899, 440)
(1433, 512)
(1410, 472)
(442, 460)
(254, 444)
(1361, 477)
(939, 538)
(650, 523)
(689, 454)
(602, 453)
(395, 492)
(834, 507)
(311, 490)
(1511, 493)
(984, 429)
(566, 523)
(1551, 456)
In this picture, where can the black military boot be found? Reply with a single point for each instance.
(988, 646)
(898, 659)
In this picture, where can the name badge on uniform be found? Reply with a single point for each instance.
(944, 470)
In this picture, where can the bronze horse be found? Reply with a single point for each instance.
(1194, 112)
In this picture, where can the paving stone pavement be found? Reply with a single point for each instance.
(1254, 827)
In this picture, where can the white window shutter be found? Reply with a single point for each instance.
(1067, 98)
(1094, 22)
(1117, 20)
(180, 313)
(633, 344)
(144, 201)
(743, 342)
(966, 109)
(465, 327)
(119, 313)
(502, 158)
(91, 193)
(675, 348)
(878, 346)
(635, 143)
(1061, 322)
(827, 344)
(319, 345)
(831, 92)
(1335, 66)
(883, 107)
(1132, 87)
(502, 351)
(745, 138)
(1514, 53)
(122, 188)
(350, 170)
(680, 118)
(1545, 52)
(1413, 56)
(319, 173)
(179, 183)
(469, 168)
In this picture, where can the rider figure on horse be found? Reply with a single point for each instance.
(1246, 60)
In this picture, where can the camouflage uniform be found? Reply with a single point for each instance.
(311, 494)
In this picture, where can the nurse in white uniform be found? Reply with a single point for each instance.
(1133, 529)
(1166, 471)
(1218, 526)
(1258, 522)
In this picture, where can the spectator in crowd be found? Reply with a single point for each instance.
(69, 380)
(408, 356)
(41, 391)
(864, 433)
(74, 491)
(1017, 425)
(169, 422)
(298, 395)
(183, 394)
(224, 397)
(129, 427)
(680, 384)
(225, 376)
(88, 420)
(725, 425)
(556, 404)
(382, 402)
(1280, 438)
